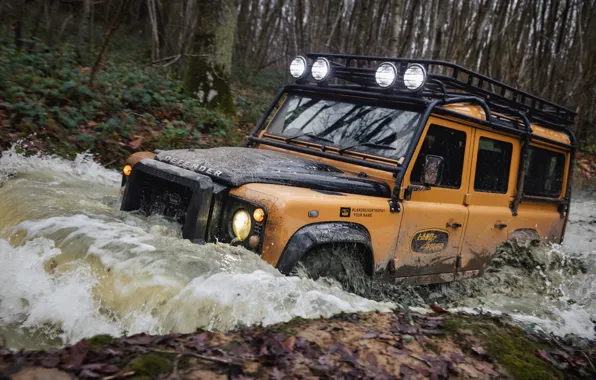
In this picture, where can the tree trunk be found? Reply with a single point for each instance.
(406, 48)
(152, 10)
(51, 20)
(396, 9)
(437, 39)
(209, 65)
(83, 28)
(21, 12)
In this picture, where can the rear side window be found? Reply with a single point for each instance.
(544, 173)
(492, 166)
(449, 144)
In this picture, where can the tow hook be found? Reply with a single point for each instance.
(235, 242)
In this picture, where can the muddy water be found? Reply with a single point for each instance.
(72, 266)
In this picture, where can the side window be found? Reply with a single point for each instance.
(449, 144)
(492, 166)
(544, 172)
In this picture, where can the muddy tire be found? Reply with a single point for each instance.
(344, 263)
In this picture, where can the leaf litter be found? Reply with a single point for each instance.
(368, 345)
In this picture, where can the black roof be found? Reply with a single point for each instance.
(446, 80)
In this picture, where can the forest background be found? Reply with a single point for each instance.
(117, 76)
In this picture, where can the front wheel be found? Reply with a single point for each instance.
(342, 262)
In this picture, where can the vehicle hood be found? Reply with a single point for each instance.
(239, 166)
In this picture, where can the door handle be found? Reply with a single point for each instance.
(453, 225)
(500, 225)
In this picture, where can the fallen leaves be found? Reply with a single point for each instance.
(438, 309)
(135, 142)
(360, 346)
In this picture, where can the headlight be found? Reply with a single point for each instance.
(386, 74)
(298, 67)
(241, 224)
(320, 69)
(415, 77)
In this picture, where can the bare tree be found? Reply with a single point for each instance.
(122, 5)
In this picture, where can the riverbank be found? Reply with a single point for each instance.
(365, 345)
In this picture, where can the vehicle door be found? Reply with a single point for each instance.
(491, 190)
(433, 220)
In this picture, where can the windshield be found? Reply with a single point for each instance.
(374, 130)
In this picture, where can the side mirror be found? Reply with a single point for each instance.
(432, 170)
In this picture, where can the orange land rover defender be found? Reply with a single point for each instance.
(417, 168)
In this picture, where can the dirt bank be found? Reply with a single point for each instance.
(370, 345)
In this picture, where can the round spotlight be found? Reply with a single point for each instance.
(298, 67)
(415, 77)
(386, 74)
(259, 215)
(320, 69)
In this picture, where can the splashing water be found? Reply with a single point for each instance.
(73, 266)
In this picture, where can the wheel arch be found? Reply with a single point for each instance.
(326, 233)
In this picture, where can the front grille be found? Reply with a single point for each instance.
(162, 197)
(155, 188)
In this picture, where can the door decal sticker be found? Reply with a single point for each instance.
(430, 241)
(345, 212)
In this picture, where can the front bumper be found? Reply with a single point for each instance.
(180, 194)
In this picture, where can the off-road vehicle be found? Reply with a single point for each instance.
(417, 168)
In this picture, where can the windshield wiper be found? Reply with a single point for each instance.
(311, 135)
(369, 144)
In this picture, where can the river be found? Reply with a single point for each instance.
(72, 266)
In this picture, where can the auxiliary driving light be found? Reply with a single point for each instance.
(415, 77)
(259, 215)
(241, 224)
(320, 69)
(386, 74)
(127, 170)
(298, 67)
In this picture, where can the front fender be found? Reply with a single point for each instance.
(316, 234)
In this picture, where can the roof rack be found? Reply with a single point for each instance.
(446, 79)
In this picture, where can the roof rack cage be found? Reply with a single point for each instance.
(445, 79)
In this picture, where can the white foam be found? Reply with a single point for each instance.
(260, 297)
(157, 283)
(83, 167)
(102, 233)
(561, 323)
(61, 302)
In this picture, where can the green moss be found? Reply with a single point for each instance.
(510, 347)
(284, 328)
(298, 321)
(431, 346)
(507, 345)
(98, 342)
(151, 364)
(452, 325)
